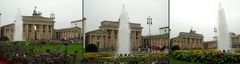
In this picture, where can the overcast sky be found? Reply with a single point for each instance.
(138, 10)
(202, 16)
(65, 10)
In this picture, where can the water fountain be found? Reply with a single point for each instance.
(18, 27)
(123, 34)
(223, 40)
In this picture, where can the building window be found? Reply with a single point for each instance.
(49, 27)
(97, 37)
(43, 26)
(98, 43)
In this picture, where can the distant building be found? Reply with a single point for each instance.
(235, 40)
(211, 44)
(106, 36)
(34, 28)
(191, 40)
(77, 23)
(155, 41)
(73, 33)
(164, 30)
(37, 27)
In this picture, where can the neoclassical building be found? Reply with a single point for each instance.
(73, 33)
(188, 40)
(35, 27)
(155, 41)
(210, 44)
(106, 36)
(235, 40)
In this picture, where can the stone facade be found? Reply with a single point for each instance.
(8, 31)
(235, 39)
(211, 44)
(164, 30)
(34, 28)
(106, 36)
(155, 41)
(73, 33)
(191, 40)
(99, 38)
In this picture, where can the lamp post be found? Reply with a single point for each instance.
(83, 28)
(149, 22)
(0, 26)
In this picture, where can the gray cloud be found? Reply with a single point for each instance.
(202, 16)
(138, 11)
(65, 10)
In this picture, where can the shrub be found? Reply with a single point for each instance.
(176, 47)
(91, 48)
(206, 57)
(4, 38)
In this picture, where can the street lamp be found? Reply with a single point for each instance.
(0, 26)
(149, 22)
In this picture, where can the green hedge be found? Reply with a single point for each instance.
(206, 57)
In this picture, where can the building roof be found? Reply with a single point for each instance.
(8, 25)
(115, 24)
(67, 28)
(190, 34)
(157, 36)
(37, 19)
(76, 21)
(163, 27)
(98, 31)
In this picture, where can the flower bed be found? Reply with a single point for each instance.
(147, 57)
(206, 57)
(25, 52)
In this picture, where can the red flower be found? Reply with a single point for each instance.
(4, 61)
(17, 62)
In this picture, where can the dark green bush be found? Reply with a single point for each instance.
(91, 48)
(4, 38)
(176, 47)
(206, 57)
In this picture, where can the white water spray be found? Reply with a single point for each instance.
(223, 35)
(124, 34)
(18, 33)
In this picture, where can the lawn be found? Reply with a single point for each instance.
(71, 48)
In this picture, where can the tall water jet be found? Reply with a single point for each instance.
(123, 34)
(223, 34)
(18, 33)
